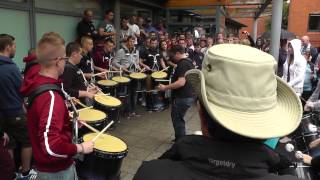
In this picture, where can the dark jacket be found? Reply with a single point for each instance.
(203, 158)
(72, 79)
(49, 127)
(84, 28)
(281, 60)
(10, 83)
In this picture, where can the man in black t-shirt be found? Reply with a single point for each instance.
(85, 27)
(182, 92)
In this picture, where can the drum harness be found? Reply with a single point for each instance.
(133, 63)
(53, 87)
(155, 61)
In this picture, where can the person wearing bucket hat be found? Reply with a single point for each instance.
(241, 103)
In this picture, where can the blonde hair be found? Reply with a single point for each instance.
(50, 46)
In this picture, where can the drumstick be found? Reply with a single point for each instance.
(78, 102)
(103, 130)
(104, 72)
(142, 70)
(89, 127)
(90, 107)
(165, 69)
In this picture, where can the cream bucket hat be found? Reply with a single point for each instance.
(239, 89)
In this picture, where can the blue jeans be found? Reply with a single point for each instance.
(68, 174)
(178, 111)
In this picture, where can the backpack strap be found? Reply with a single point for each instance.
(41, 89)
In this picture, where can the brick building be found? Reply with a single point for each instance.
(304, 19)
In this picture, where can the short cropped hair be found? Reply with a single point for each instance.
(72, 47)
(6, 40)
(177, 49)
(49, 47)
(84, 39)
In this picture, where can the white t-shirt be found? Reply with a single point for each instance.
(135, 30)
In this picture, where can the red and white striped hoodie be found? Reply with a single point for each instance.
(49, 127)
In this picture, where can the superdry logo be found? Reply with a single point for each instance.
(222, 163)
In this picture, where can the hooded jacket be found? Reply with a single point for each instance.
(297, 69)
(49, 127)
(10, 83)
(203, 158)
(31, 69)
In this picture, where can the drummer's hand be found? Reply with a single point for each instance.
(162, 87)
(306, 159)
(147, 68)
(85, 147)
(90, 95)
(93, 90)
(80, 125)
(314, 143)
(5, 139)
(309, 106)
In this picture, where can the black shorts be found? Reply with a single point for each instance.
(16, 128)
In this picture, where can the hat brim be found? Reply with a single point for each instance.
(279, 121)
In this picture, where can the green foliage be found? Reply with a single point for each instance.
(285, 15)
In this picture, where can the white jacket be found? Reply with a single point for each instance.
(297, 69)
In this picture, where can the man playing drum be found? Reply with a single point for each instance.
(127, 59)
(48, 117)
(73, 78)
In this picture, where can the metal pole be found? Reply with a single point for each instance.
(117, 22)
(168, 19)
(276, 27)
(255, 29)
(218, 17)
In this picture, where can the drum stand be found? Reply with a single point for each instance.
(75, 116)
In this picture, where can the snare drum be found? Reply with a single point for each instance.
(303, 136)
(93, 117)
(108, 86)
(123, 86)
(109, 105)
(155, 100)
(138, 80)
(106, 159)
(301, 171)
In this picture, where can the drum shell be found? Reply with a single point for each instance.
(301, 171)
(123, 89)
(139, 84)
(112, 112)
(101, 165)
(112, 90)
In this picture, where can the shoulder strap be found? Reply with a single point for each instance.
(41, 89)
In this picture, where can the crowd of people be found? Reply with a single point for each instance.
(35, 121)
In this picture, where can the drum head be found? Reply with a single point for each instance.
(159, 75)
(91, 115)
(120, 79)
(138, 75)
(107, 143)
(107, 100)
(107, 82)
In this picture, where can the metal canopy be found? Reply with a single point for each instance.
(233, 8)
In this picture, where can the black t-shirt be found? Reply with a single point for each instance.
(85, 63)
(72, 80)
(148, 56)
(182, 67)
(85, 27)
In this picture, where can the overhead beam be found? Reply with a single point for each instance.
(262, 9)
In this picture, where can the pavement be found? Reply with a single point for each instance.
(149, 136)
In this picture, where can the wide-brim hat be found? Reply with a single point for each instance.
(239, 89)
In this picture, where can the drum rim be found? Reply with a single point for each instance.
(108, 105)
(96, 121)
(124, 152)
(152, 75)
(127, 82)
(145, 76)
(116, 83)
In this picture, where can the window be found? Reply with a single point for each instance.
(314, 22)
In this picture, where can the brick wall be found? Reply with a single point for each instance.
(249, 22)
(299, 16)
